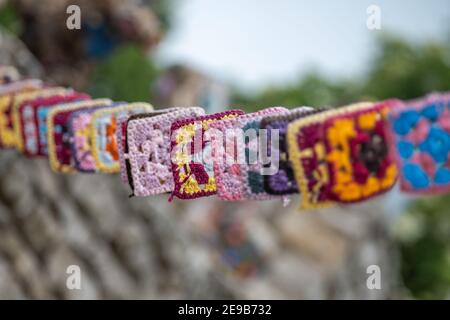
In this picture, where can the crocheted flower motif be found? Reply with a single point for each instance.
(357, 156)
(420, 138)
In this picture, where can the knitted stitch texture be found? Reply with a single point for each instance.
(282, 182)
(58, 136)
(419, 138)
(236, 178)
(105, 147)
(147, 164)
(193, 176)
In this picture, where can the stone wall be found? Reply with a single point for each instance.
(149, 248)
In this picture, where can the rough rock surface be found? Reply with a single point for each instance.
(149, 248)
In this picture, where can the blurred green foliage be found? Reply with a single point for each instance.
(125, 75)
(425, 254)
(403, 70)
(399, 69)
(9, 19)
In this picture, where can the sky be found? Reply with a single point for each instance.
(256, 43)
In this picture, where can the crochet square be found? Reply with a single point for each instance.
(190, 147)
(340, 155)
(420, 141)
(58, 135)
(282, 182)
(146, 163)
(239, 173)
(80, 131)
(7, 101)
(23, 101)
(33, 138)
(105, 150)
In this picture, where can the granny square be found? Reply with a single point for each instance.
(58, 135)
(105, 148)
(420, 141)
(282, 181)
(341, 155)
(192, 159)
(239, 170)
(147, 164)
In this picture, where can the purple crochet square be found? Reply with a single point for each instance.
(282, 182)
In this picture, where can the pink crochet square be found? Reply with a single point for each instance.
(145, 163)
(190, 147)
(234, 174)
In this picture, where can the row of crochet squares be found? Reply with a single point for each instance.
(343, 155)
(144, 149)
(59, 139)
(420, 141)
(31, 124)
(94, 145)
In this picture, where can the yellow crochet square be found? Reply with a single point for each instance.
(311, 180)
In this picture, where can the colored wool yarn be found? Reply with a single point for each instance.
(340, 155)
(420, 141)
(58, 135)
(191, 149)
(105, 149)
(238, 172)
(146, 164)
